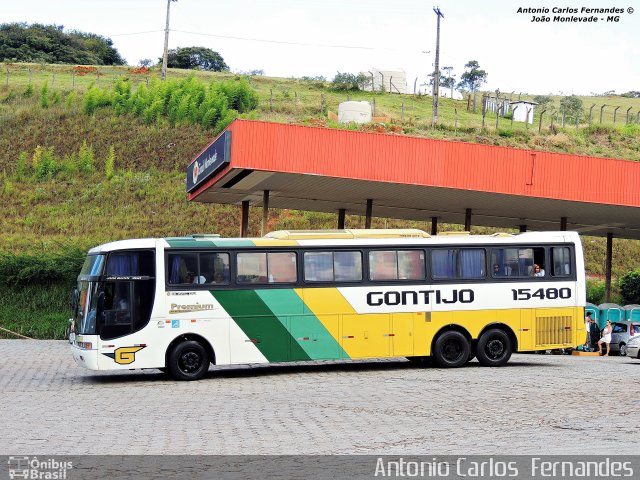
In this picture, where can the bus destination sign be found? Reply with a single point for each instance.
(212, 159)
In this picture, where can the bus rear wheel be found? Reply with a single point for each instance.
(188, 360)
(494, 348)
(451, 350)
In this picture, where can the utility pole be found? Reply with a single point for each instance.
(166, 43)
(436, 78)
(450, 79)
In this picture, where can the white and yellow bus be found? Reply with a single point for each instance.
(180, 304)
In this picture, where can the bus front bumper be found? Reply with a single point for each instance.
(84, 351)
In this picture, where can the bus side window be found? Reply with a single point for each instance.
(561, 261)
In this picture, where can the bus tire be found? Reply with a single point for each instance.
(494, 348)
(451, 350)
(188, 360)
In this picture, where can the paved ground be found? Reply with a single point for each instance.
(538, 404)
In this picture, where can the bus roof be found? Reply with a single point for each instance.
(341, 238)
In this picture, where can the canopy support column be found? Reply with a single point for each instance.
(563, 224)
(467, 220)
(367, 218)
(607, 273)
(265, 212)
(523, 228)
(434, 226)
(341, 215)
(244, 218)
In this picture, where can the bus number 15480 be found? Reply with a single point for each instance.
(541, 293)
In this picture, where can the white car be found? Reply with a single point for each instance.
(633, 347)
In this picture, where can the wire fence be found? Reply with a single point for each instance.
(295, 96)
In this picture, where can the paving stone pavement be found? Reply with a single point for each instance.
(537, 404)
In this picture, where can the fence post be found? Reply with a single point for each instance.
(638, 119)
(513, 114)
(147, 81)
(402, 115)
(270, 99)
(7, 82)
(456, 119)
(540, 125)
(590, 113)
(615, 113)
(374, 106)
(577, 119)
(497, 116)
(526, 119)
(53, 77)
(627, 120)
(322, 103)
(602, 108)
(415, 82)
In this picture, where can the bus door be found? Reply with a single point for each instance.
(403, 330)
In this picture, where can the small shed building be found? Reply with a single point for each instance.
(523, 111)
(392, 81)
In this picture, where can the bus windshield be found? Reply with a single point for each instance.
(84, 315)
(92, 266)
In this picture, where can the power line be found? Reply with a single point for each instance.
(135, 33)
(359, 47)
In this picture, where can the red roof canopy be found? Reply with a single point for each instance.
(322, 169)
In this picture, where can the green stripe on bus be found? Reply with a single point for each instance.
(304, 327)
(193, 243)
(260, 325)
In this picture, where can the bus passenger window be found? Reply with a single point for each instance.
(252, 267)
(561, 261)
(214, 268)
(282, 267)
(183, 268)
(332, 266)
(318, 266)
(383, 265)
(347, 266)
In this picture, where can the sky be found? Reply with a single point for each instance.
(295, 38)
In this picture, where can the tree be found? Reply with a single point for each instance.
(473, 77)
(571, 105)
(196, 58)
(350, 81)
(145, 62)
(20, 42)
(630, 287)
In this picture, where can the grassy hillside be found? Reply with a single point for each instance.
(62, 190)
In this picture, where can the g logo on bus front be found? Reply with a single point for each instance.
(124, 355)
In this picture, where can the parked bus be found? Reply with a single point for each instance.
(180, 304)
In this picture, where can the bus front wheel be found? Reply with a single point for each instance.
(188, 360)
(494, 348)
(451, 350)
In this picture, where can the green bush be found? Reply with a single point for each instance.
(109, 163)
(28, 92)
(595, 291)
(41, 269)
(629, 286)
(349, 81)
(44, 95)
(85, 158)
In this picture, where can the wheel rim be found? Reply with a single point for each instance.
(495, 349)
(190, 362)
(452, 350)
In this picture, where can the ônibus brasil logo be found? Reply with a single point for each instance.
(196, 172)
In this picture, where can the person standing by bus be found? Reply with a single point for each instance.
(606, 338)
(587, 327)
(594, 335)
